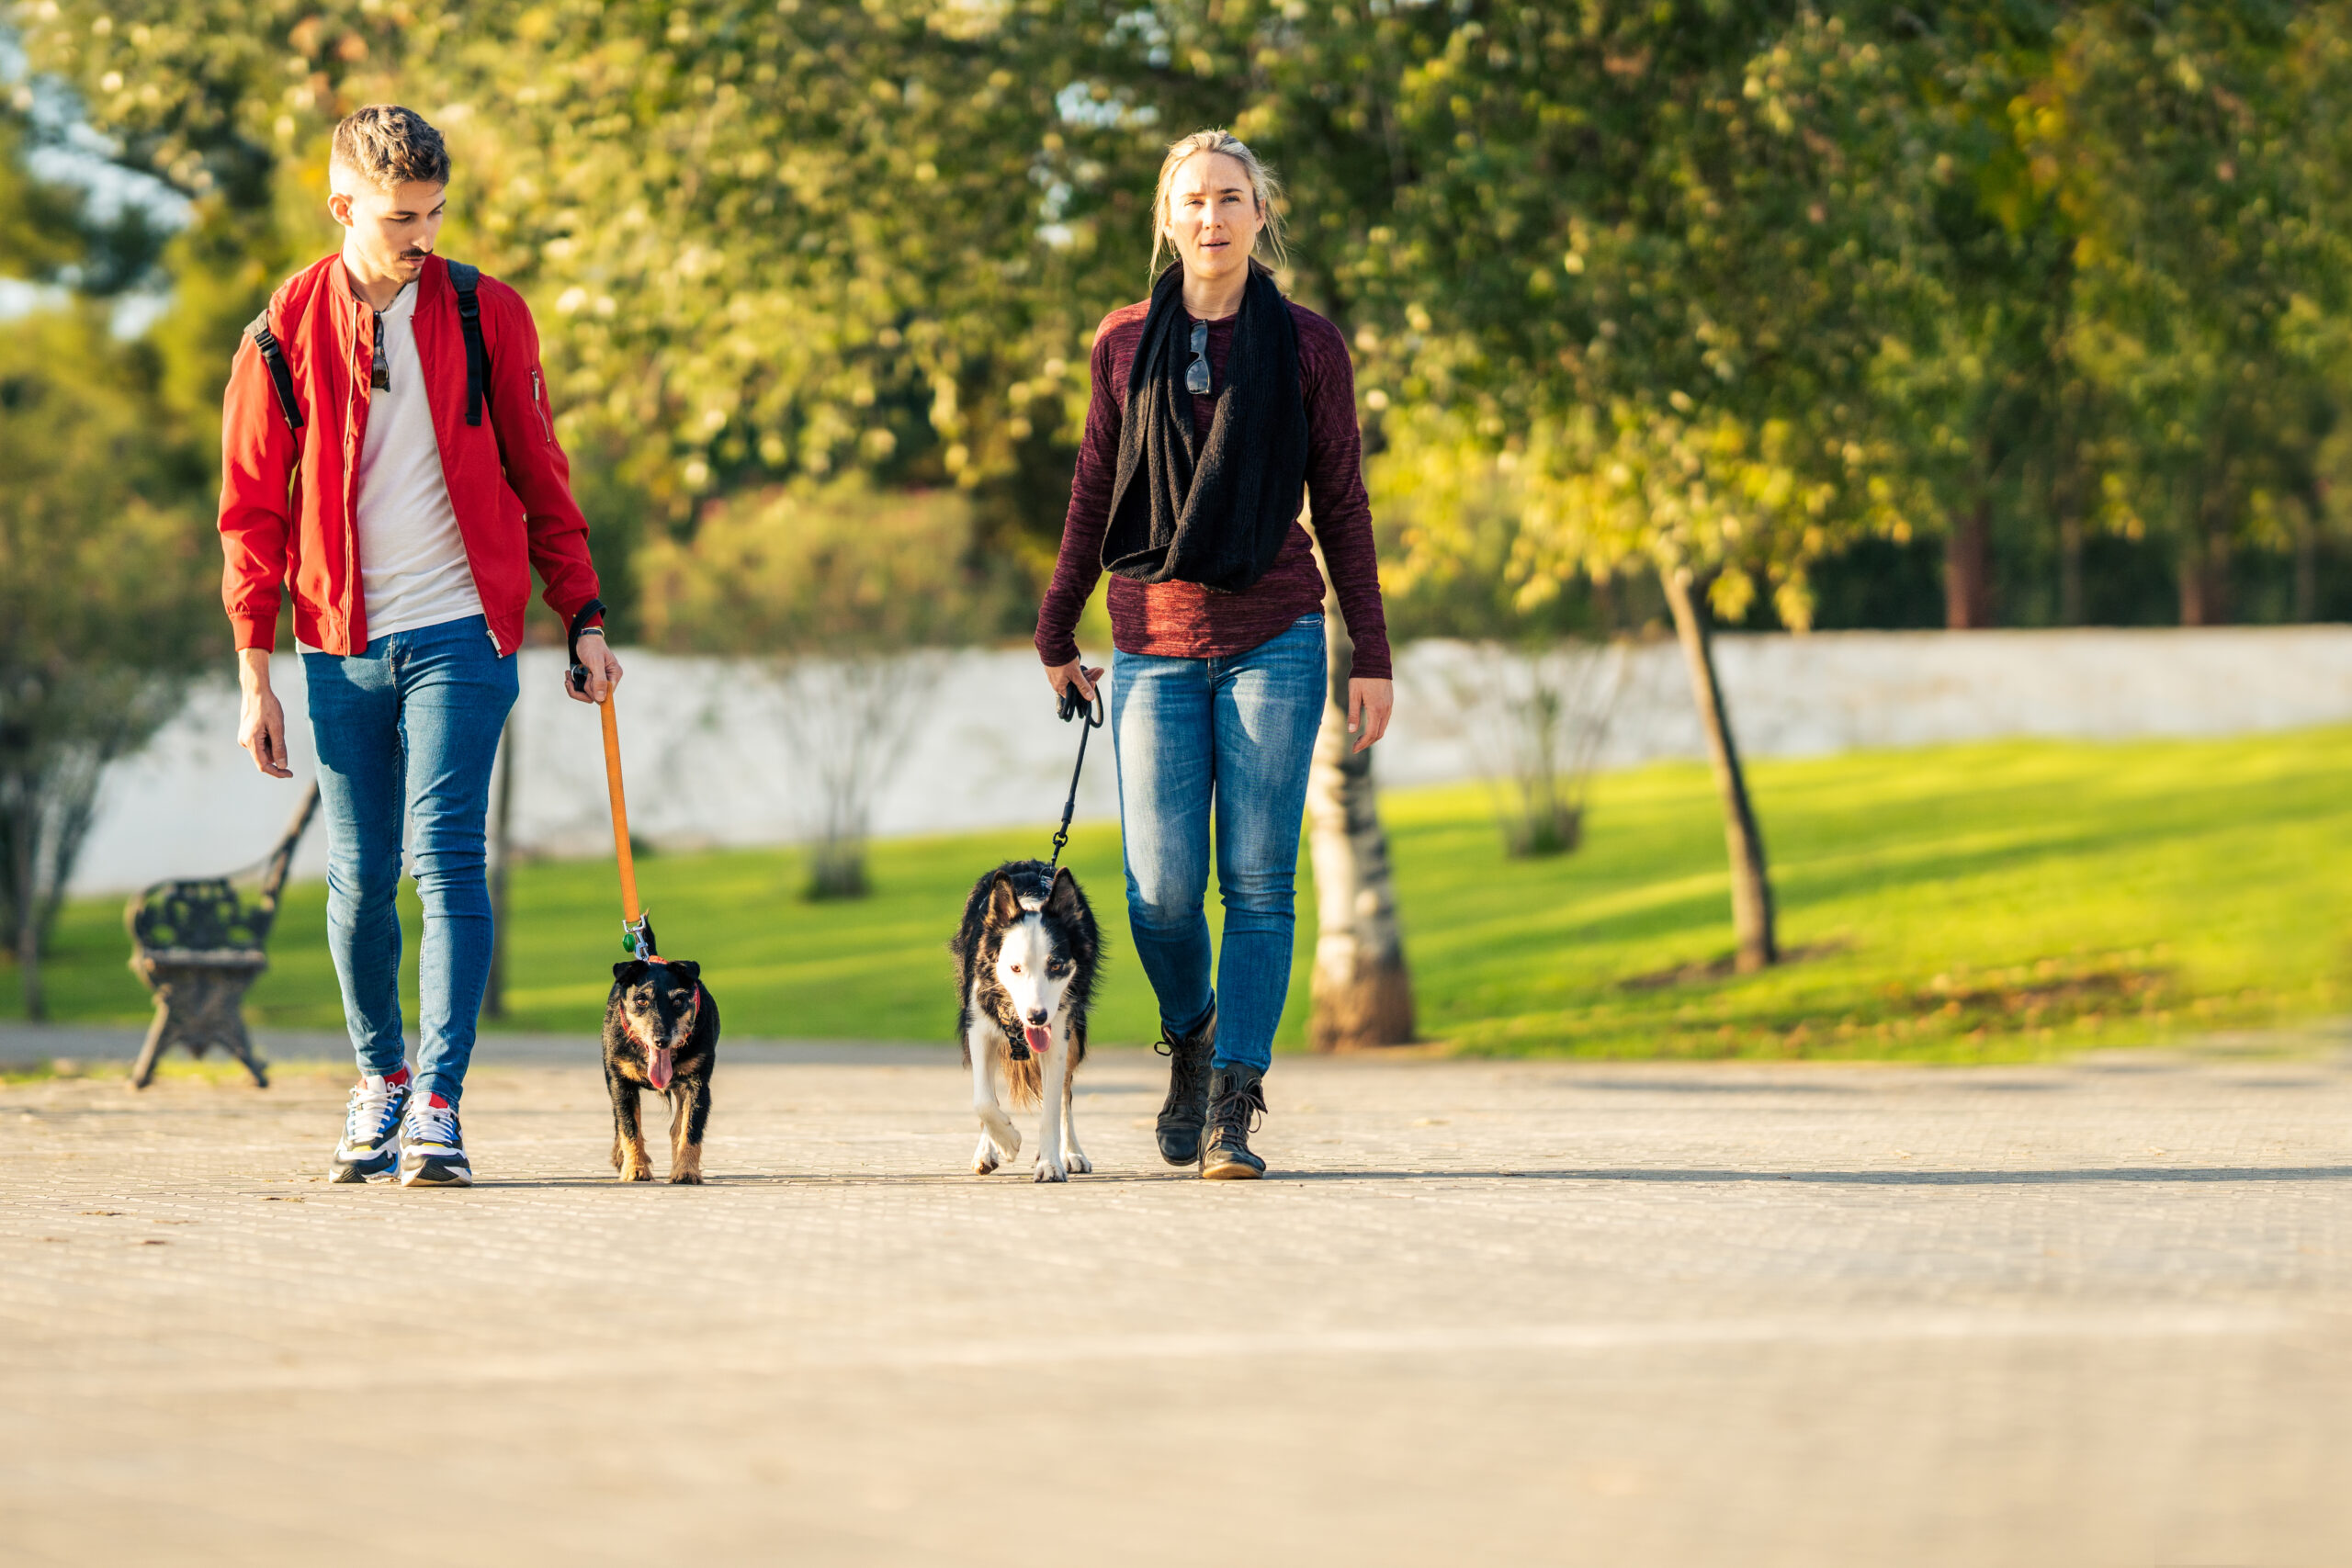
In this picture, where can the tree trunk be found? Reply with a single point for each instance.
(1752, 885)
(2204, 581)
(1363, 992)
(28, 960)
(2070, 571)
(2193, 612)
(2307, 566)
(1968, 570)
(494, 996)
(2205, 568)
(25, 874)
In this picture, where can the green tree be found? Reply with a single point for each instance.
(107, 596)
(2198, 156)
(105, 565)
(1639, 280)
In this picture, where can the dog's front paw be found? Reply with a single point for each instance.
(1078, 1164)
(984, 1156)
(685, 1179)
(637, 1168)
(1052, 1170)
(1000, 1132)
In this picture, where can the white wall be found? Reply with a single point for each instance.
(708, 761)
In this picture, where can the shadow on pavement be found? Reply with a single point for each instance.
(2147, 1173)
(1834, 1178)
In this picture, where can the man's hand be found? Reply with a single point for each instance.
(1369, 703)
(603, 670)
(261, 722)
(1061, 676)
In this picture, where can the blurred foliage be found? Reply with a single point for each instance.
(1743, 287)
(841, 569)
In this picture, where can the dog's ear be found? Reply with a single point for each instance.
(685, 969)
(629, 969)
(1065, 898)
(1004, 901)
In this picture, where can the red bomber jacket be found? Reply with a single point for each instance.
(290, 517)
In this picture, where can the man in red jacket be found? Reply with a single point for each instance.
(395, 465)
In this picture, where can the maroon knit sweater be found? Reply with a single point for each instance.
(1185, 620)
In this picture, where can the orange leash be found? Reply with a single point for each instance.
(631, 915)
(637, 932)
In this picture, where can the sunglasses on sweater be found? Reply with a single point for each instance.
(1196, 379)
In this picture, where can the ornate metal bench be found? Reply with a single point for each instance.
(198, 945)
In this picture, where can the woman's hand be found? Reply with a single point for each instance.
(603, 670)
(1369, 703)
(1061, 676)
(260, 721)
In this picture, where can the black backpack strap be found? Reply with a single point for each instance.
(275, 357)
(467, 280)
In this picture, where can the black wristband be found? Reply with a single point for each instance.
(578, 674)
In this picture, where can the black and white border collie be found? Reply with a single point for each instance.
(1027, 956)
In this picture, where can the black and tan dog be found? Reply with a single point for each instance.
(662, 1034)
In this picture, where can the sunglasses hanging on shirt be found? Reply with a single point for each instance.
(382, 379)
(1196, 378)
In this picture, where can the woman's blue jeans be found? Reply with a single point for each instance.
(1229, 740)
(408, 730)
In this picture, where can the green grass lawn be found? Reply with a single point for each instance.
(1957, 904)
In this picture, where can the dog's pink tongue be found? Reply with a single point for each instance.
(1039, 1038)
(657, 1066)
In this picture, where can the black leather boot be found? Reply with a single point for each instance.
(1237, 1099)
(1187, 1107)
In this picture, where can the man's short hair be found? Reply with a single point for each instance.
(386, 144)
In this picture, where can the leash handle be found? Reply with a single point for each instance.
(1074, 704)
(578, 674)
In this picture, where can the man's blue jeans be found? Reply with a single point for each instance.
(1228, 739)
(409, 729)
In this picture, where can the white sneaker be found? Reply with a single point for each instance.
(433, 1150)
(371, 1132)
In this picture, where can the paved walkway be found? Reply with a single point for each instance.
(1490, 1313)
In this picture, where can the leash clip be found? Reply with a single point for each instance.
(637, 937)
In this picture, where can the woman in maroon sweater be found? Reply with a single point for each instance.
(1217, 408)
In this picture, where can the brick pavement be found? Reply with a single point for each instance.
(1494, 1313)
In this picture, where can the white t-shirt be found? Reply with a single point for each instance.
(411, 558)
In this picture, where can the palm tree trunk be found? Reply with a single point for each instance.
(1751, 883)
(1363, 992)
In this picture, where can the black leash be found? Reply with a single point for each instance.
(1074, 703)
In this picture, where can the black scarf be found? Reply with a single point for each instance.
(1215, 514)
